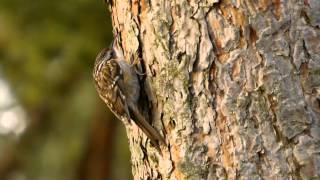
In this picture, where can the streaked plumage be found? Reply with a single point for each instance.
(118, 86)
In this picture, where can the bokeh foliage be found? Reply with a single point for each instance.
(47, 50)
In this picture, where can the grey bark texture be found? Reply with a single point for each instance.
(233, 85)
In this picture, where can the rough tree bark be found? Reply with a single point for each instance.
(234, 86)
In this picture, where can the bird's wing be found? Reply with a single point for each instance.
(112, 77)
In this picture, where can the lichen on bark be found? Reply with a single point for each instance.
(234, 87)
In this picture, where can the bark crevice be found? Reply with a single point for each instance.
(234, 87)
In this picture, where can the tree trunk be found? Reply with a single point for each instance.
(234, 87)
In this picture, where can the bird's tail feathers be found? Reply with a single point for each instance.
(150, 131)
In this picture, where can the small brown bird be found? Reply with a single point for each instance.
(118, 86)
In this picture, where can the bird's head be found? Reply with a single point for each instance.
(105, 55)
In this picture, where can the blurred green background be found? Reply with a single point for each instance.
(53, 126)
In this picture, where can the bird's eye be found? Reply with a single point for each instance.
(106, 55)
(111, 53)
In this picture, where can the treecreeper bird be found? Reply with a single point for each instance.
(118, 85)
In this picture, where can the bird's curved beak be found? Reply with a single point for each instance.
(116, 46)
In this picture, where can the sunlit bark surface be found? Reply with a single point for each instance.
(233, 86)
